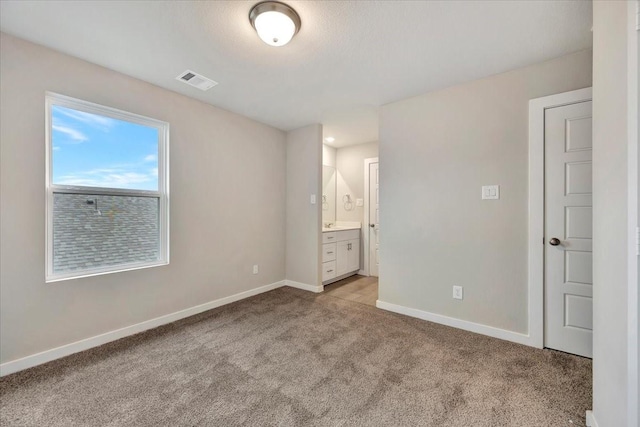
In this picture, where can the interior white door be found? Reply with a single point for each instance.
(568, 229)
(374, 220)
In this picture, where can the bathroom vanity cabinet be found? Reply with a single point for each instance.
(340, 254)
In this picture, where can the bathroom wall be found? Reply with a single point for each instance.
(328, 155)
(350, 166)
(328, 184)
(304, 178)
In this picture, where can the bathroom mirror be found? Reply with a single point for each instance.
(328, 194)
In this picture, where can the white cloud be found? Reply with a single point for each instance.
(111, 178)
(114, 180)
(56, 148)
(101, 122)
(102, 171)
(74, 134)
(150, 158)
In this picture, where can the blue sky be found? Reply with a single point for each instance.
(98, 151)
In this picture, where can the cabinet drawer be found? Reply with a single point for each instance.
(329, 237)
(347, 235)
(328, 270)
(328, 252)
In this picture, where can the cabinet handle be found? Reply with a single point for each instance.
(329, 271)
(328, 253)
(329, 238)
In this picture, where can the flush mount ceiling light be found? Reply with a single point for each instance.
(275, 22)
(329, 139)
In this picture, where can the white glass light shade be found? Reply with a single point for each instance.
(275, 22)
(275, 28)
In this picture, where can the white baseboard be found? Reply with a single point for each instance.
(338, 278)
(591, 420)
(85, 344)
(362, 273)
(304, 286)
(478, 328)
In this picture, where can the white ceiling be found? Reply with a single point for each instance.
(349, 57)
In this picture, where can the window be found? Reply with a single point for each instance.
(107, 189)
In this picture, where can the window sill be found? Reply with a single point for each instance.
(100, 272)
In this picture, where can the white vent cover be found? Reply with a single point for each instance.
(196, 80)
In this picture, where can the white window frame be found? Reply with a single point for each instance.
(162, 194)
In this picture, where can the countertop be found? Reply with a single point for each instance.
(340, 228)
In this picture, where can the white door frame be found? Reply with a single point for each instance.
(536, 204)
(365, 224)
(633, 224)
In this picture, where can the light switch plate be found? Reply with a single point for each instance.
(490, 192)
(313, 199)
(457, 292)
(359, 202)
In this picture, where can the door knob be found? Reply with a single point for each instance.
(372, 225)
(554, 241)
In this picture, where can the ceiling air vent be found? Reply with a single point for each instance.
(196, 80)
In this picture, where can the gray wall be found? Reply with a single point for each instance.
(227, 206)
(328, 155)
(636, 303)
(350, 166)
(328, 184)
(436, 151)
(610, 209)
(304, 178)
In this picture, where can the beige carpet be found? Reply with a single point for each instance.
(292, 358)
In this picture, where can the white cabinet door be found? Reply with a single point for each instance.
(353, 251)
(342, 258)
(347, 256)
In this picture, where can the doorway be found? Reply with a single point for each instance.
(560, 228)
(371, 226)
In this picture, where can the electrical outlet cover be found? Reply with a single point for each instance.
(490, 192)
